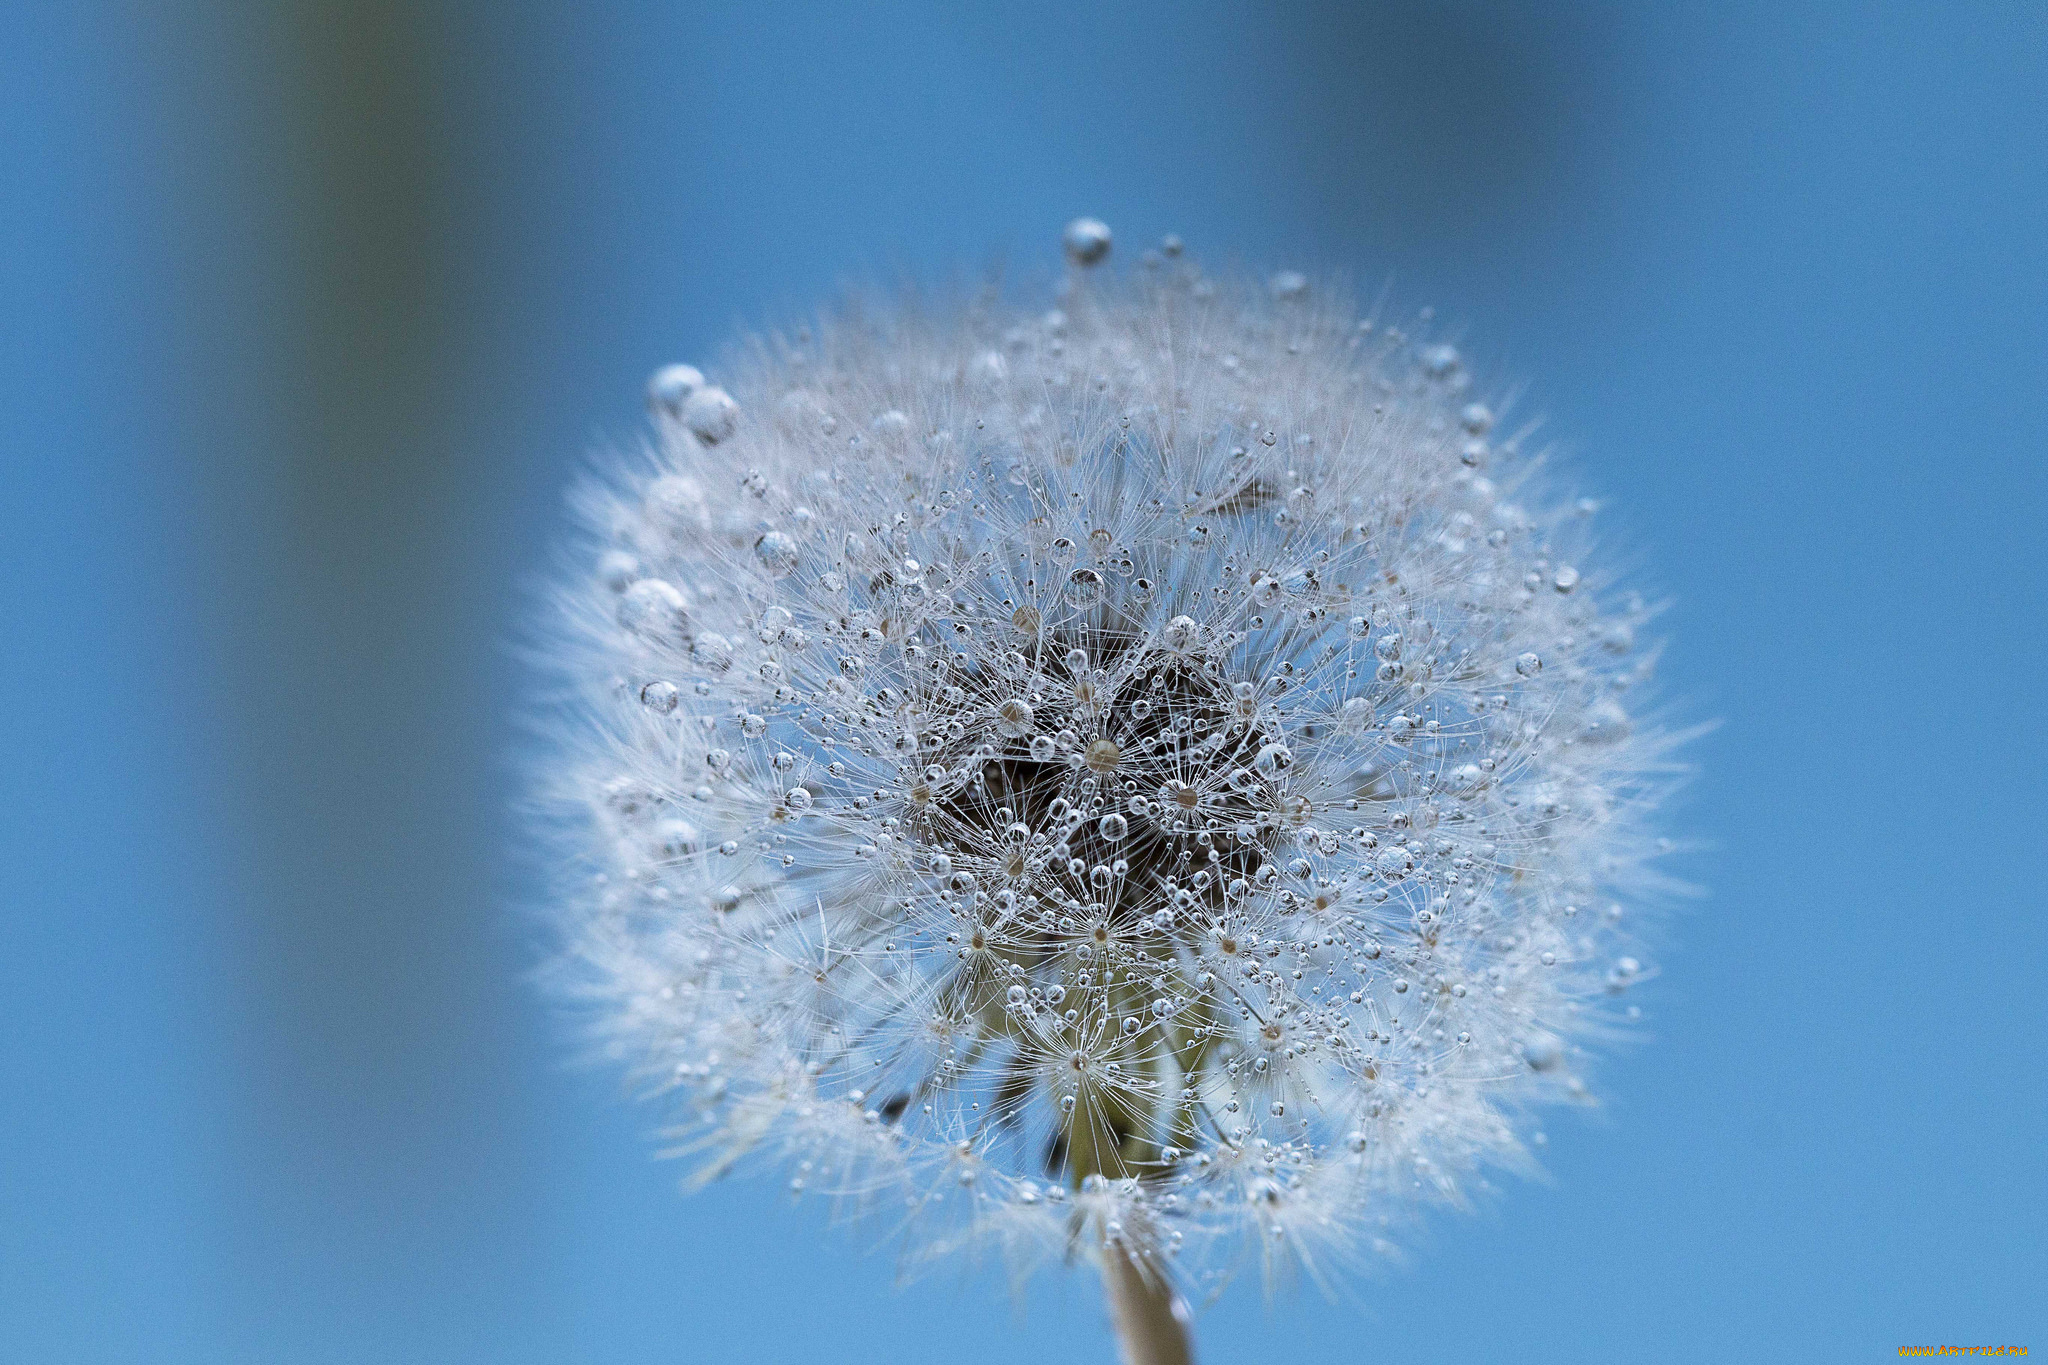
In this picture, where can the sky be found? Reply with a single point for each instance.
(313, 313)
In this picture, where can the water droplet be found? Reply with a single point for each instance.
(660, 698)
(1529, 665)
(1086, 241)
(1042, 748)
(1113, 827)
(654, 610)
(1388, 646)
(797, 799)
(777, 553)
(1084, 588)
(711, 414)
(670, 388)
(1017, 995)
(712, 650)
(1014, 717)
(753, 726)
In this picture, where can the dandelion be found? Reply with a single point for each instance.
(1152, 780)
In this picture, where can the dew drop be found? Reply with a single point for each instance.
(660, 698)
(777, 553)
(670, 388)
(711, 415)
(1086, 241)
(654, 610)
(1014, 717)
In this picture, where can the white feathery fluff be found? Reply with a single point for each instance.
(1163, 772)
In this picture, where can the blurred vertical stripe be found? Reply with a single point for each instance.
(387, 1197)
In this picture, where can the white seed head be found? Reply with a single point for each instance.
(1126, 764)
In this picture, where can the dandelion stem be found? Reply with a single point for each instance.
(1151, 1320)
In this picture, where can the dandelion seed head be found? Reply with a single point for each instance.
(1136, 765)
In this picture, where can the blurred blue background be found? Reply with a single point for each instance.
(311, 309)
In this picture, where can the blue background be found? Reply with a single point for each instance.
(310, 313)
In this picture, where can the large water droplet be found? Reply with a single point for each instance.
(711, 415)
(777, 553)
(655, 610)
(670, 388)
(1086, 241)
(660, 698)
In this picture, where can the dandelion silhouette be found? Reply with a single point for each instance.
(1146, 781)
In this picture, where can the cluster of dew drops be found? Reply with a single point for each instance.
(1157, 744)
